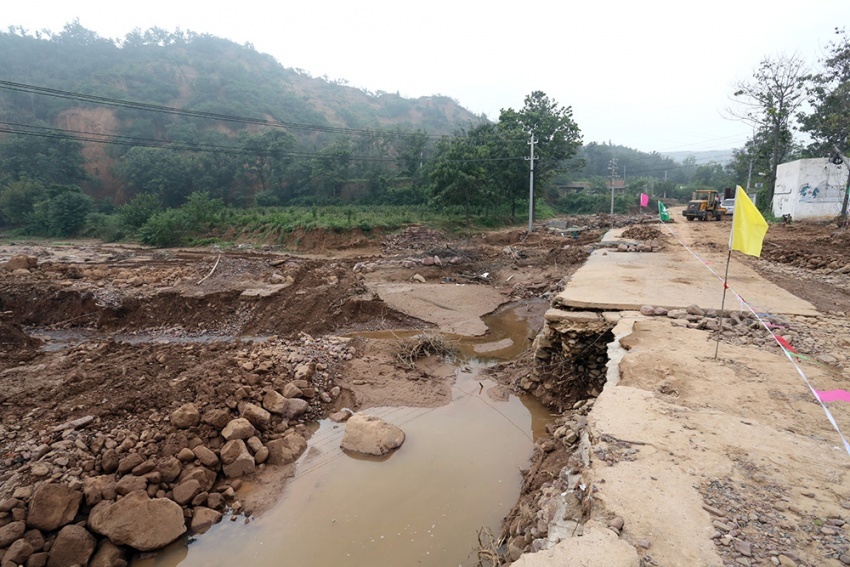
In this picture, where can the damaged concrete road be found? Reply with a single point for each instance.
(688, 458)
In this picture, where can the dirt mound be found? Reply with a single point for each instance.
(639, 232)
(414, 238)
(808, 245)
(568, 255)
(11, 335)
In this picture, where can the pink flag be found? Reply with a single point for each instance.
(834, 396)
(644, 200)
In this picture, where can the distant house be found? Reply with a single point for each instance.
(577, 187)
(809, 189)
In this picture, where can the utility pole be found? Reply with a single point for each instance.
(613, 168)
(846, 161)
(530, 160)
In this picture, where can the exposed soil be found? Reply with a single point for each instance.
(124, 336)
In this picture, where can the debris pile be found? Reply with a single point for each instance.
(103, 485)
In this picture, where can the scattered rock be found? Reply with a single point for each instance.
(141, 522)
(186, 416)
(204, 518)
(53, 506)
(239, 428)
(73, 546)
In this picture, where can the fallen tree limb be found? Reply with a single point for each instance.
(200, 281)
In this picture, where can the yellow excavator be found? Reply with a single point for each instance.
(704, 205)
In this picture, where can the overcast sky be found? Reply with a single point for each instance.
(651, 74)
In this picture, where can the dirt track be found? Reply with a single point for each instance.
(134, 334)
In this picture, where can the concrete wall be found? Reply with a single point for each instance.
(809, 189)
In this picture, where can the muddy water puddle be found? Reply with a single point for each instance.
(457, 472)
(510, 332)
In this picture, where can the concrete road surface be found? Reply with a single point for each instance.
(676, 277)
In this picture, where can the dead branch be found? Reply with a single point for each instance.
(200, 281)
(422, 345)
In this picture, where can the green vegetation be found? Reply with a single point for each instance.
(178, 137)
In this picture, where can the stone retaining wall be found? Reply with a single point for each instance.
(571, 353)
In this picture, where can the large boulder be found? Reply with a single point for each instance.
(19, 552)
(371, 435)
(169, 468)
(236, 458)
(295, 407)
(138, 521)
(202, 474)
(11, 532)
(206, 456)
(203, 518)
(186, 416)
(53, 506)
(286, 450)
(185, 491)
(73, 546)
(21, 262)
(239, 428)
(258, 417)
(274, 402)
(218, 417)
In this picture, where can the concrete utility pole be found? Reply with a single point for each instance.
(530, 160)
(847, 189)
(613, 168)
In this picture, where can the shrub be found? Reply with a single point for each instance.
(168, 228)
(137, 212)
(66, 213)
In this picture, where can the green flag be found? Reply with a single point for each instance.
(662, 212)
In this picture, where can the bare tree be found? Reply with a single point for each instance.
(769, 100)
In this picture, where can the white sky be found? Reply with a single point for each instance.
(650, 74)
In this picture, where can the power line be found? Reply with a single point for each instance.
(83, 97)
(129, 141)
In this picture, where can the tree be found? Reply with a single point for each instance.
(769, 101)
(66, 213)
(829, 97)
(558, 137)
(269, 160)
(460, 173)
(48, 160)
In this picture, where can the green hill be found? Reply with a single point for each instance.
(187, 71)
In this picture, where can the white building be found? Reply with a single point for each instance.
(809, 189)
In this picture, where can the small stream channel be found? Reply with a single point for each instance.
(458, 471)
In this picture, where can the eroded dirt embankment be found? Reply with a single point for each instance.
(127, 393)
(140, 395)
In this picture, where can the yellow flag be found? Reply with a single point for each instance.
(748, 226)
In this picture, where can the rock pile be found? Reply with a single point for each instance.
(571, 353)
(642, 232)
(753, 526)
(561, 504)
(740, 327)
(79, 493)
(414, 238)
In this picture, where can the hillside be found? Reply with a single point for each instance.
(187, 71)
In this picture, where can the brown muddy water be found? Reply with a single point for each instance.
(457, 472)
